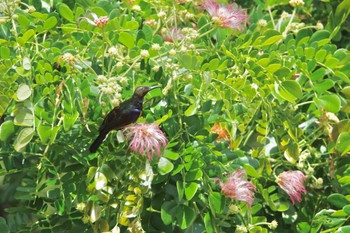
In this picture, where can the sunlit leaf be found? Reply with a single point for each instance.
(66, 12)
(6, 130)
(168, 212)
(343, 143)
(190, 190)
(126, 39)
(23, 92)
(165, 166)
(185, 216)
(330, 102)
(23, 138)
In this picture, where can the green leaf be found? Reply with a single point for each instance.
(292, 152)
(324, 85)
(208, 223)
(26, 63)
(194, 175)
(23, 92)
(217, 202)
(343, 143)
(188, 61)
(191, 110)
(53, 193)
(168, 211)
(330, 102)
(127, 39)
(100, 181)
(23, 117)
(171, 155)
(23, 138)
(3, 226)
(343, 229)
(6, 130)
(69, 120)
(26, 36)
(272, 40)
(321, 36)
(165, 166)
(44, 132)
(289, 90)
(185, 216)
(318, 74)
(347, 209)
(251, 171)
(342, 11)
(342, 75)
(5, 52)
(346, 91)
(65, 12)
(4, 101)
(147, 30)
(190, 190)
(320, 55)
(50, 23)
(338, 200)
(132, 25)
(213, 64)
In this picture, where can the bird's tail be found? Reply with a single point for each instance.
(96, 144)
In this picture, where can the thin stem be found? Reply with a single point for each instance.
(270, 13)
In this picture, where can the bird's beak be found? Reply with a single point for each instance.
(154, 87)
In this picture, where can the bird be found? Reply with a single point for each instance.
(125, 114)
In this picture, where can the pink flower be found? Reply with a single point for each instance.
(237, 187)
(229, 16)
(146, 139)
(292, 182)
(174, 34)
(99, 22)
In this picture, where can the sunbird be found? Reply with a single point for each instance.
(126, 113)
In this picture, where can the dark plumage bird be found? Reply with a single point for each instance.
(126, 113)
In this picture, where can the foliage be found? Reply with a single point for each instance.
(271, 98)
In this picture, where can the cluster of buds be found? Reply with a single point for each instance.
(273, 225)
(101, 22)
(112, 87)
(296, 3)
(319, 26)
(68, 58)
(161, 14)
(295, 27)
(29, 10)
(8, 7)
(185, 14)
(262, 23)
(285, 15)
(136, 8)
(190, 34)
(151, 22)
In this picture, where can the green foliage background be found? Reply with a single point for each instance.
(282, 95)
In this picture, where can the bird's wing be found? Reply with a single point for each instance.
(119, 118)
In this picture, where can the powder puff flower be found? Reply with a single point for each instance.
(174, 34)
(146, 139)
(99, 22)
(229, 16)
(238, 188)
(292, 183)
